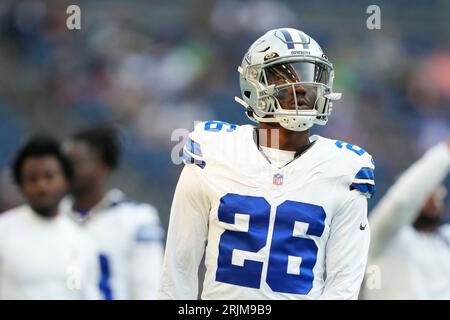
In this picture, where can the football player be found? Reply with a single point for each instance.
(278, 214)
(43, 253)
(411, 243)
(127, 233)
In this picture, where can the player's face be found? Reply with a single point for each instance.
(43, 183)
(434, 206)
(87, 166)
(284, 74)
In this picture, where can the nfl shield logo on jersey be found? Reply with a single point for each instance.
(278, 179)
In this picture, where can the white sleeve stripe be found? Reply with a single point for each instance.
(368, 181)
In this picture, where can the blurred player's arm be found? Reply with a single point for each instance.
(347, 249)
(403, 201)
(146, 256)
(2, 242)
(186, 239)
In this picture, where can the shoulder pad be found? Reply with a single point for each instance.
(364, 166)
(204, 134)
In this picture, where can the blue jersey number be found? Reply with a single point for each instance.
(359, 151)
(292, 257)
(258, 210)
(216, 126)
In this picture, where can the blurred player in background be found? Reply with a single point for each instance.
(410, 244)
(284, 215)
(43, 253)
(128, 234)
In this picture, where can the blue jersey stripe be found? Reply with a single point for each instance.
(188, 159)
(364, 188)
(365, 173)
(193, 147)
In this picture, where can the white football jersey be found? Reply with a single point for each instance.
(296, 232)
(405, 263)
(44, 258)
(129, 238)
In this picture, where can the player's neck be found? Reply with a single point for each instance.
(277, 137)
(87, 200)
(49, 213)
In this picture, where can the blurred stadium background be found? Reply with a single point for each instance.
(154, 66)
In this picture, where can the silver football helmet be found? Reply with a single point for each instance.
(286, 78)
